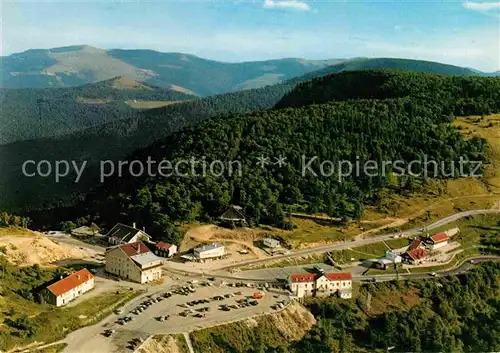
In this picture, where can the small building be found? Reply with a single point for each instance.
(123, 234)
(438, 240)
(134, 262)
(271, 242)
(165, 249)
(415, 244)
(393, 257)
(415, 257)
(234, 215)
(211, 251)
(383, 263)
(69, 288)
(321, 284)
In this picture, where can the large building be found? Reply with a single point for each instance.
(123, 234)
(321, 284)
(211, 251)
(71, 287)
(134, 262)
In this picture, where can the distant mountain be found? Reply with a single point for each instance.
(78, 65)
(393, 64)
(47, 112)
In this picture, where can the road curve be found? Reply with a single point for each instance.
(350, 244)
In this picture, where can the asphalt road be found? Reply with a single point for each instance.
(350, 244)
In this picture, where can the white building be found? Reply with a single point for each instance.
(209, 251)
(134, 262)
(71, 287)
(393, 257)
(123, 234)
(271, 242)
(321, 284)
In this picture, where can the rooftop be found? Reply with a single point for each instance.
(415, 244)
(70, 282)
(122, 232)
(311, 277)
(136, 248)
(146, 258)
(439, 237)
(163, 246)
(417, 254)
(209, 247)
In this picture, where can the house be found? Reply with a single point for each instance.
(415, 256)
(271, 242)
(234, 214)
(134, 262)
(209, 251)
(71, 287)
(415, 244)
(123, 234)
(438, 240)
(165, 249)
(383, 263)
(321, 284)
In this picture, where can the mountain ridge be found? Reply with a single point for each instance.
(81, 64)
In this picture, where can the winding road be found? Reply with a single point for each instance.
(355, 243)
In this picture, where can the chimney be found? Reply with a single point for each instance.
(133, 225)
(77, 276)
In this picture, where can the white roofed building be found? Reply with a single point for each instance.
(214, 250)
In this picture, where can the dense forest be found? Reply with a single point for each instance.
(458, 95)
(451, 314)
(406, 129)
(392, 127)
(34, 113)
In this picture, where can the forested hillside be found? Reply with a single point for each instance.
(458, 94)
(35, 113)
(396, 64)
(403, 128)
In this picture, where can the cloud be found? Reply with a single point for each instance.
(482, 6)
(286, 4)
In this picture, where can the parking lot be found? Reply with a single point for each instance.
(176, 310)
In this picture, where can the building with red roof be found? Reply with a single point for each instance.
(165, 249)
(67, 289)
(134, 262)
(321, 284)
(438, 240)
(415, 256)
(415, 244)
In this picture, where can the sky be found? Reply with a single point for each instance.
(463, 33)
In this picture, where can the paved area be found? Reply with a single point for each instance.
(91, 339)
